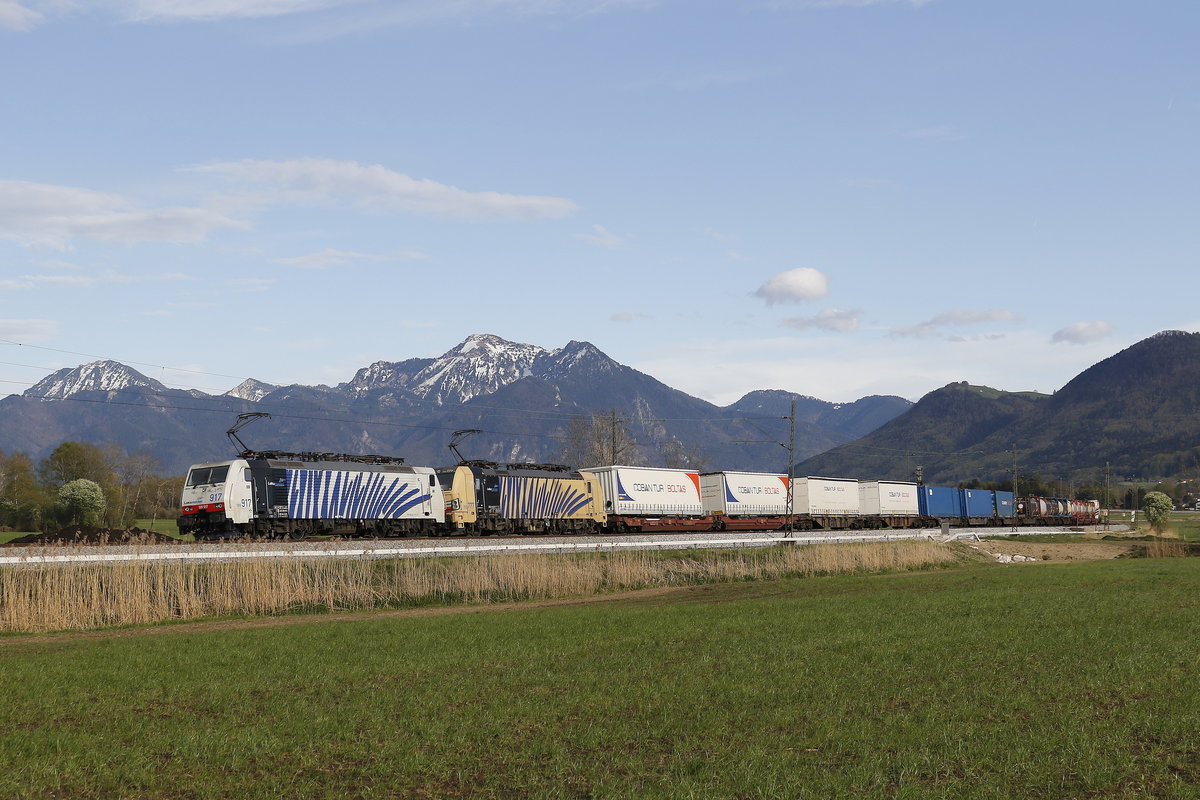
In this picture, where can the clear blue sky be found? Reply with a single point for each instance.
(835, 197)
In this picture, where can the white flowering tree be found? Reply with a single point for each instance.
(83, 499)
(1158, 509)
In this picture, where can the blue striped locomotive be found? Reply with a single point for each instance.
(296, 495)
(485, 497)
(268, 495)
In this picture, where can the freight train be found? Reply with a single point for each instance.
(272, 494)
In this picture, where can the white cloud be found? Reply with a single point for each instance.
(109, 277)
(1083, 332)
(625, 316)
(358, 15)
(373, 16)
(716, 235)
(374, 187)
(251, 284)
(778, 4)
(601, 237)
(336, 258)
(938, 133)
(842, 368)
(952, 318)
(16, 16)
(28, 329)
(44, 215)
(831, 319)
(211, 10)
(794, 286)
(699, 81)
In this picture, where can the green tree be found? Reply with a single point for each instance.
(22, 500)
(83, 499)
(1158, 509)
(72, 460)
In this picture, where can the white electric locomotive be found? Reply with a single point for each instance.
(295, 495)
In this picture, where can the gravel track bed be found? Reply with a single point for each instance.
(472, 546)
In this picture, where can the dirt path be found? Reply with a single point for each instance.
(1055, 551)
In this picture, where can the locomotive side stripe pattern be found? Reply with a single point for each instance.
(540, 498)
(329, 494)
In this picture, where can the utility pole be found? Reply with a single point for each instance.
(791, 465)
(614, 436)
(1016, 494)
(1107, 492)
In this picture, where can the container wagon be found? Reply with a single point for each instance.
(826, 503)
(889, 504)
(651, 499)
(745, 500)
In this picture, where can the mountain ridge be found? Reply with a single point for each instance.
(523, 396)
(1135, 413)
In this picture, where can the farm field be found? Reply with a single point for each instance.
(981, 681)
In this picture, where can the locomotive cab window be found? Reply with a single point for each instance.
(202, 476)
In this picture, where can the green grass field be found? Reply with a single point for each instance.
(1041, 681)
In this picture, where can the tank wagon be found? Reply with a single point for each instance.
(1057, 510)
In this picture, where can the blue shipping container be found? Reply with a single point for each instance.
(939, 501)
(1006, 505)
(978, 503)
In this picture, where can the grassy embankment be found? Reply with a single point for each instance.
(1181, 536)
(1039, 681)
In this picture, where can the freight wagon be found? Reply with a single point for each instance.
(889, 504)
(826, 503)
(745, 500)
(651, 499)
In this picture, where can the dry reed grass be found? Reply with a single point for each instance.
(1166, 548)
(89, 596)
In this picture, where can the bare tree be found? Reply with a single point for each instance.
(678, 456)
(133, 472)
(597, 440)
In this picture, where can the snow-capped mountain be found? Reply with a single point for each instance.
(480, 365)
(577, 358)
(381, 374)
(98, 376)
(252, 390)
(521, 396)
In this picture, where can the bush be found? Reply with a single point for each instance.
(1158, 510)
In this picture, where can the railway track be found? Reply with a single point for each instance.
(30, 555)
